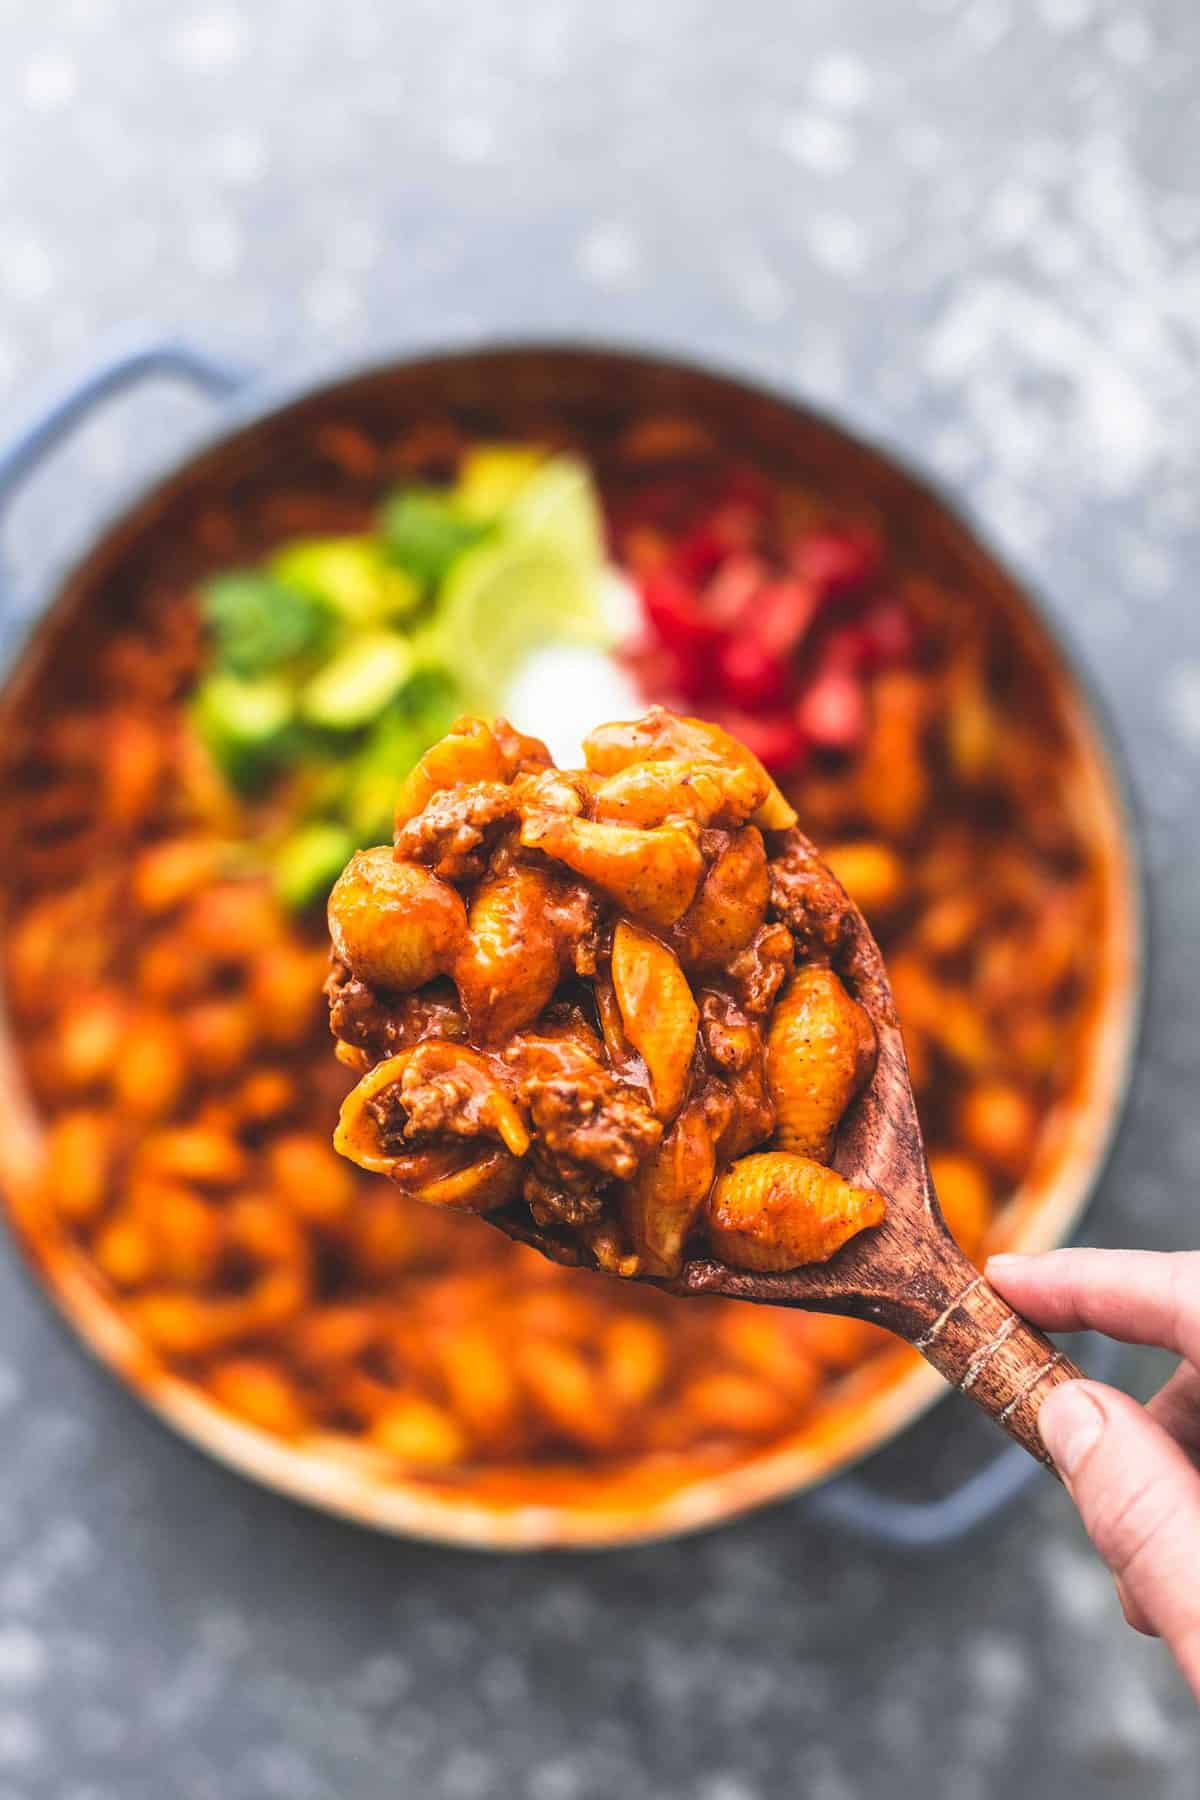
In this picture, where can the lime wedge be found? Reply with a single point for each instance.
(356, 686)
(557, 507)
(506, 598)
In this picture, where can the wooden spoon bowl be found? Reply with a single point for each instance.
(907, 1274)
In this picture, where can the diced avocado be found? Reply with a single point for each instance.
(359, 682)
(370, 800)
(248, 726)
(432, 699)
(306, 864)
(424, 529)
(421, 713)
(351, 575)
(258, 622)
(491, 475)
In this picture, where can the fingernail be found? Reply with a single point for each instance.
(1007, 1259)
(1070, 1423)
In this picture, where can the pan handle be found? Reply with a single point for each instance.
(120, 367)
(852, 1504)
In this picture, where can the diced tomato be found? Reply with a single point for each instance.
(732, 634)
(838, 562)
(776, 737)
(749, 675)
(887, 634)
(673, 609)
(783, 611)
(696, 556)
(697, 674)
(665, 675)
(843, 648)
(726, 532)
(733, 592)
(832, 712)
(691, 671)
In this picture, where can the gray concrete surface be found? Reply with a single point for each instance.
(973, 228)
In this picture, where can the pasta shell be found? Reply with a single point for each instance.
(775, 1211)
(620, 1052)
(659, 1015)
(730, 907)
(965, 1197)
(357, 1135)
(820, 1050)
(468, 752)
(648, 793)
(894, 771)
(469, 1089)
(484, 1184)
(472, 751)
(393, 923)
(508, 965)
(652, 874)
(871, 873)
(661, 1205)
(660, 736)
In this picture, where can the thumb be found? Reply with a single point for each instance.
(1139, 1496)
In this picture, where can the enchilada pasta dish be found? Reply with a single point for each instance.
(183, 789)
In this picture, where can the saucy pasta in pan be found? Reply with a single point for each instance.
(165, 949)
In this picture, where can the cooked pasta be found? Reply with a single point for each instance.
(168, 1012)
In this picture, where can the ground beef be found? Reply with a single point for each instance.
(552, 1200)
(757, 973)
(576, 919)
(609, 1126)
(750, 1116)
(445, 1104)
(391, 1118)
(454, 833)
(805, 896)
(382, 1024)
(731, 1038)
(580, 1110)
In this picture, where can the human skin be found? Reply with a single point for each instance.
(1133, 1471)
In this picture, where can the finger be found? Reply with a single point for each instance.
(1176, 1407)
(1133, 1613)
(1139, 1497)
(1139, 1296)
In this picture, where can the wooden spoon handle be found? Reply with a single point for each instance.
(986, 1350)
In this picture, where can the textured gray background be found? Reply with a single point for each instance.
(973, 228)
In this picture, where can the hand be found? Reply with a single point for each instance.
(1133, 1471)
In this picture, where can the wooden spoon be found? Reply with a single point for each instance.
(907, 1274)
